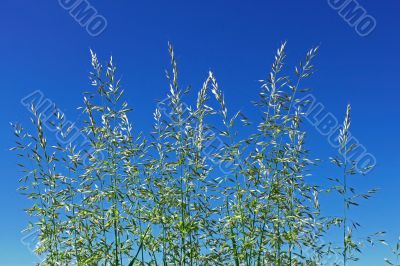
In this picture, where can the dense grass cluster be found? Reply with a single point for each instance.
(193, 192)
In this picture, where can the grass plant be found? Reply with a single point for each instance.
(192, 192)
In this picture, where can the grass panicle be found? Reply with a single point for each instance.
(195, 191)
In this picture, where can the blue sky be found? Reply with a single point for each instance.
(44, 48)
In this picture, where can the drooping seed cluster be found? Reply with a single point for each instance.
(175, 197)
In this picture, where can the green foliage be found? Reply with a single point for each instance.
(193, 192)
(395, 254)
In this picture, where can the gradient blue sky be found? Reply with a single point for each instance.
(43, 48)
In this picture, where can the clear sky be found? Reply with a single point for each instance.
(44, 48)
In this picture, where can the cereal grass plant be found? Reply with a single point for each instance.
(194, 191)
